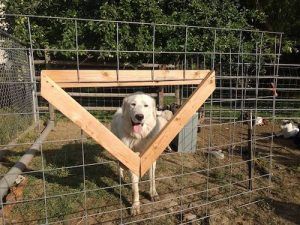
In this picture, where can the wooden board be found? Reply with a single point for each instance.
(159, 144)
(109, 78)
(87, 122)
(129, 84)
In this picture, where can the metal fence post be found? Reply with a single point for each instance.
(33, 87)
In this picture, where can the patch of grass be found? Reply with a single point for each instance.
(218, 175)
(226, 111)
(32, 212)
(264, 205)
(104, 116)
(169, 100)
(34, 183)
(221, 111)
(62, 172)
(238, 176)
(12, 123)
(262, 166)
(63, 207)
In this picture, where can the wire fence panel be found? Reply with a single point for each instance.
(73, 180)
(16, 89)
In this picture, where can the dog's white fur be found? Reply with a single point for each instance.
(288, 129)
(137, 139)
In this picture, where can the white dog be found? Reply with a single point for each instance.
(136, 124)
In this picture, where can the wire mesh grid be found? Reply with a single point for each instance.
(72, 180)
(16, 103)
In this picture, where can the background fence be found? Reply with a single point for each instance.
(18, 100)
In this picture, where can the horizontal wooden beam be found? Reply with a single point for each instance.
(179, 120)
(88, 123)
(129, 84)
(122, 78)
(107, 95)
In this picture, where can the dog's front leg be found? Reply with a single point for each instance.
(153, 193)
(135, 209)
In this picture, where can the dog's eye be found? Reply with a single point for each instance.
(146, 106)
(132, 104)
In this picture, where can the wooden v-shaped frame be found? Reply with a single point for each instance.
(52, 82)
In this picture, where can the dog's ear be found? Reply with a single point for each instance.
(124, 105)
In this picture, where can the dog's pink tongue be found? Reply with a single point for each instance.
(137, 128)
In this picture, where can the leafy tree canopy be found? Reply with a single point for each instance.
(281, 16)
(60, 34)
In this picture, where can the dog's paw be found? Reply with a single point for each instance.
(135, 209)
(155, 198)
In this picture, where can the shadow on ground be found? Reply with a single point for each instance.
(286, 210)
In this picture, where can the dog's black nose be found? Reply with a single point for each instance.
(139, 117)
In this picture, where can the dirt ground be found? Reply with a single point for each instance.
(191, 186)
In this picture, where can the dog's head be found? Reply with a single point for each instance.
(139, 113)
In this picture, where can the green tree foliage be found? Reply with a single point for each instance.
(281, 16)
(95, 35)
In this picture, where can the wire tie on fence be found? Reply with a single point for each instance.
(273, 89)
